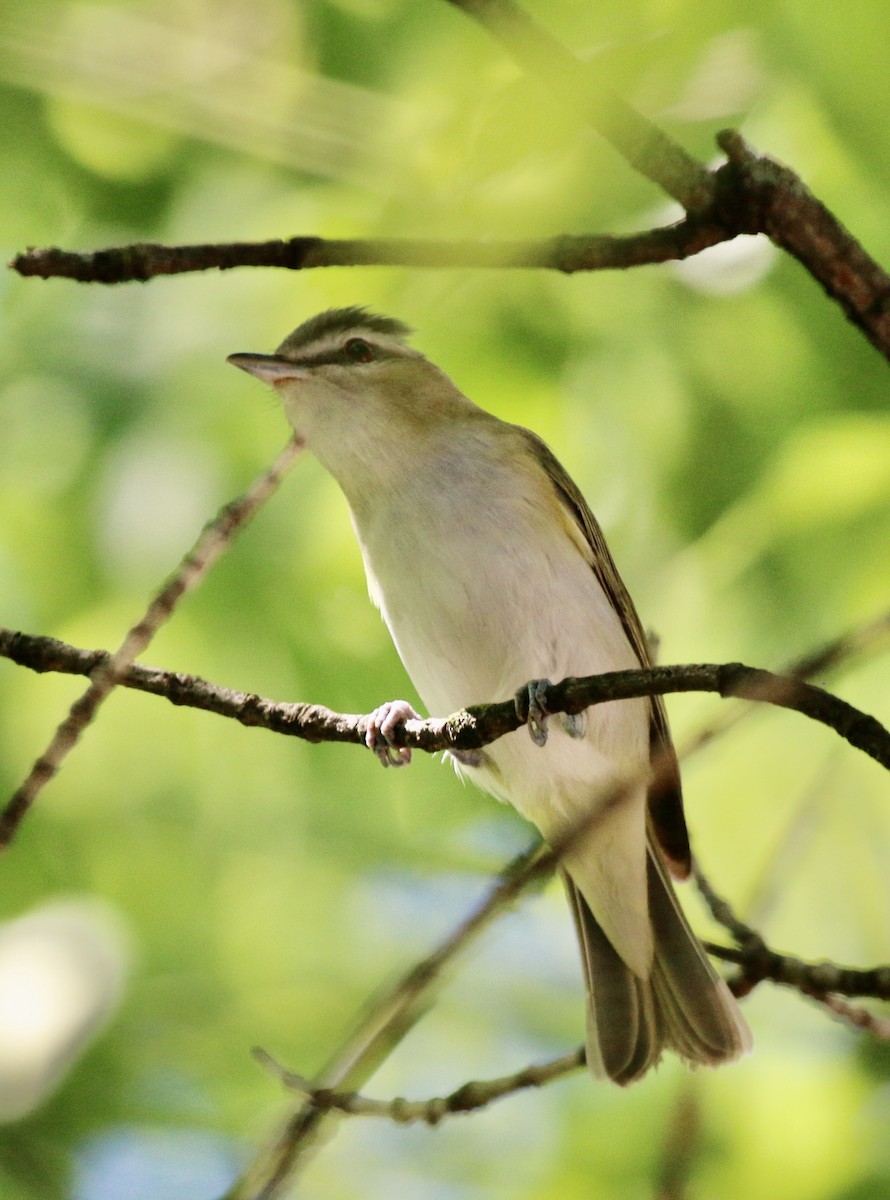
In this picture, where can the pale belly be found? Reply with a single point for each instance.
(473, 625)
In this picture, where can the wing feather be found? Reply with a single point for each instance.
(665, 800)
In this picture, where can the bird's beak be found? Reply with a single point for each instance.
(271, 368)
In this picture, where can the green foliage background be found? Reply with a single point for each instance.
(726, 424)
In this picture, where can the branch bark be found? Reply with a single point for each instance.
(568, 254)
(478, 725)
(469, 1097)
(749, 193)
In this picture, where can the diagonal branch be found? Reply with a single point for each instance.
(110, 669)
(762, 195)
(757, 962)
(644, 145)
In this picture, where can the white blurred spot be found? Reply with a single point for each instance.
(154, 498)
(728, 268)
(62, 970)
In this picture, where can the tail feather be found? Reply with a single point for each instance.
(613, 1046)
(706, 1024)
(683, 1005)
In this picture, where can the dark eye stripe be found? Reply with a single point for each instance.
(342, 356)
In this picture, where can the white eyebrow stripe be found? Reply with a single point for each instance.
(334, 342)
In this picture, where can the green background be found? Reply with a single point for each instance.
(728, 426)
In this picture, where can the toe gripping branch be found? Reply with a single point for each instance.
(382, 725)
(531, 706)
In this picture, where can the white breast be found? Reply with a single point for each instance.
(483, 588)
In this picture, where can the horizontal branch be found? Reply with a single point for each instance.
(478, 725)
(757, 963)
(568, 254)
(753, 194)
(469, 1097)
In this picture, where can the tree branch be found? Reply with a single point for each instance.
(478, 725)
(568, 254)
(754, 194)
(757, 962)
(647, 148)
(467, 1098)
(109, 670)
(762, 195)
(856, 1017)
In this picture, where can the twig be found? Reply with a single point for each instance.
(568, 254)
(391, 1018)
(722, 911)
(111, 669)
(683, 1143)
(857, 1017)
(757, 962)
(480, 724)
(467, 1098)
(814, 663)
(840, 649)
(647, 148)
(387, 1021)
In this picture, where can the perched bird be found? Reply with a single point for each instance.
(490, 570)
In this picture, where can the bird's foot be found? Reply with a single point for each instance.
(575, 724)
(382, 725)
(533, 699)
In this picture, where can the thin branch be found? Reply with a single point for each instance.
(813, 664)
(477, 725)
(683, 1144)
(469, 1097)
(857, 1017)
(112, 669)
(722, 911)
(391, 1018)
(765, 196)
(647, 148)
(568, 254)
(387, 1021)
(757, 962)
(841, 649)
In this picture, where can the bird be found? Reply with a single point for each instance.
(490, 572)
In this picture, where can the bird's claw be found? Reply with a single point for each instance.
(533, 698)
(575, 724)
(382, 724)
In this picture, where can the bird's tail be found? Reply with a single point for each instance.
(682, 1006)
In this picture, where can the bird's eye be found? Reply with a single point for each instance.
(358, 350)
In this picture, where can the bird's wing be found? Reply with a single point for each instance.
(665, 793)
